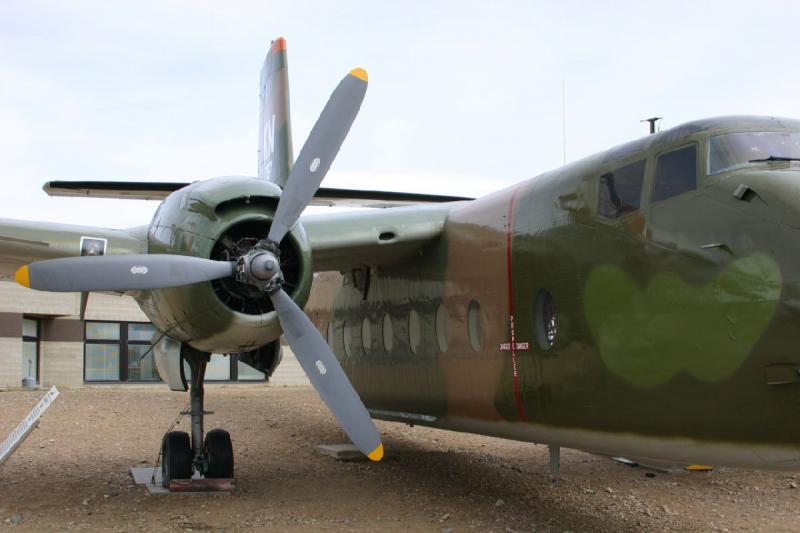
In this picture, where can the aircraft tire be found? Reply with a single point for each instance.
(219, 453)
(176, 457)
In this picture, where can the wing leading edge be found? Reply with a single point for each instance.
(137, 190)
(340, 241)
(23, 242)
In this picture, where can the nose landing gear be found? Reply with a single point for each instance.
(211, 457)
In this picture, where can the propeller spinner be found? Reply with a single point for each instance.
(259, 267)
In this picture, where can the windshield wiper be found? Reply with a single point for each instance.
(774, 158)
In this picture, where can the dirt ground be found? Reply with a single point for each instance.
(72, 474)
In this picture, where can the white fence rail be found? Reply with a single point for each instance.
(27, 425)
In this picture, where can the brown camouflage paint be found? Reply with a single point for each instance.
(558, 242)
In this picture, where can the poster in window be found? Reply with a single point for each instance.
(93, 246)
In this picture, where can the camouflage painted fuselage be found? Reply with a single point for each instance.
(676, 324)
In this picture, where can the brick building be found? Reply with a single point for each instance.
(43, 337)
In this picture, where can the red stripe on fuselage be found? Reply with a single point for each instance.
(509, 231)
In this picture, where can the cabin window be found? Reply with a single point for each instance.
(621, 190)
(676, 173)
(414, 331)
(388, 333)
(474, 325)
(735, 150)
(441, 328)
(347, 337)
(546, 326)
(366, 335)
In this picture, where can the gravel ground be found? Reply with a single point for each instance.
(72, 474)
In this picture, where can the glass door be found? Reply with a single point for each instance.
(30, 348)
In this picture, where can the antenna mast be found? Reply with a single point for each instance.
(563, 122)
(652, 121)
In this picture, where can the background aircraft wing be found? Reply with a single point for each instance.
(143, 190)
(130, 190)
(376, 237)
(23, 242)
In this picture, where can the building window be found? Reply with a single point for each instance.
(245, 372)
(141, 362)
(218, 368)
(122, 352)
(102, 351)
(227, 368)
(119, 351)
(30, 348)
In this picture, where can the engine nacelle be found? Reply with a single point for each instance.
(219, 219)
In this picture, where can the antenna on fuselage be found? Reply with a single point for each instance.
(652, 121)
(564, 121)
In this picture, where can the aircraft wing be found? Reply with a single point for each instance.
(22, 242)
(326, 196)
(376, 237)
(339, 240)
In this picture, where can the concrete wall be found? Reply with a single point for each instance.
(15, 298)
(10, 362)
(116, 308)
(61, 363)
(289, 372)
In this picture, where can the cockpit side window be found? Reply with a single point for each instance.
(621, 190)
(676, 173)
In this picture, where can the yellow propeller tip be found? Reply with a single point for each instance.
(376, 454)
(700, 468)
(359, 73)
(22, 277)
(279, 44)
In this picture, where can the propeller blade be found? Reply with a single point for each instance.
(319, 151)
(120, 272)
(327, 376)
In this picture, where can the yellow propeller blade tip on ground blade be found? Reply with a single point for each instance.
(22, 277)
(359, 73)
(377, 453)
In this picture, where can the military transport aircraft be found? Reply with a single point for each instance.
(643, 301)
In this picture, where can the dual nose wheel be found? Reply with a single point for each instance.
(178, 462)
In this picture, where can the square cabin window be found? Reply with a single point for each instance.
(621, 190)
(676, 173)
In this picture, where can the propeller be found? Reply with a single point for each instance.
(120, 272)
(260, 267)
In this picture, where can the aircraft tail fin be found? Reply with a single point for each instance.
(275, 156)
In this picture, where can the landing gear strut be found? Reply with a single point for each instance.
(211, 457)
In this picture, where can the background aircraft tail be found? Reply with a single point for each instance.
(275, 156)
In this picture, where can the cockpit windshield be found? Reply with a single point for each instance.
(734, 150)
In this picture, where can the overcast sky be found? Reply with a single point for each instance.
(464, 97)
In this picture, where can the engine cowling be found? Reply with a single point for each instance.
(219, 219)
